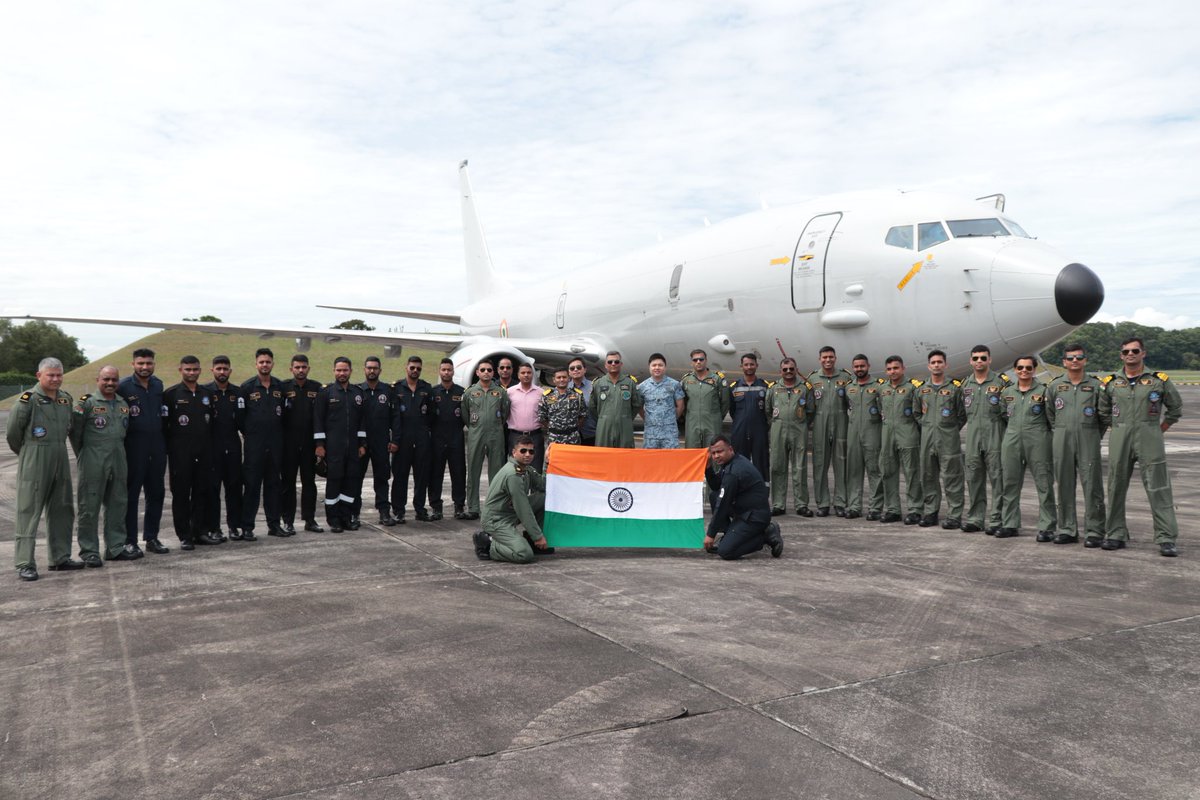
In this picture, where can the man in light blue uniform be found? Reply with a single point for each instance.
(662, 405)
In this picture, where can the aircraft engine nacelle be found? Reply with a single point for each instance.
(467, 358)
(303, 344)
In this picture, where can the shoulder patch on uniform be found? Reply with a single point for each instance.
(770, 384)
(25, 397)
(1162, 376)
(546, 392)
(880, 381)
(1107, 378)
(807, 385)
(1004, 377)
(956, 382)
(720, 375)
(916, 381)
(577, 390)
(633, 379)
(84, 398)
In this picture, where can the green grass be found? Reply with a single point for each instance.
(170, 346)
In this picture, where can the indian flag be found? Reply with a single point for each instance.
(621, 497)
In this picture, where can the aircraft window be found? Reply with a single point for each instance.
(963, 228)
(1016, 229)
(900, 236)
(929, 234)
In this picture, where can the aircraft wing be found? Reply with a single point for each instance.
(541, 351)
(444, 342)
(453, 319)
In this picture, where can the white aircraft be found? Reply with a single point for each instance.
(879, 273)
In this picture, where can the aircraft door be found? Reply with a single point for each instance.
(808, 264)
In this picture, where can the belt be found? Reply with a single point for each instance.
(527, 433)
(564, 431)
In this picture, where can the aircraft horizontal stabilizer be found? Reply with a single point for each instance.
(453, 319)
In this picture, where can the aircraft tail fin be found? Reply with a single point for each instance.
(481, 276)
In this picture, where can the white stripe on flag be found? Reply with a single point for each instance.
(588, 498)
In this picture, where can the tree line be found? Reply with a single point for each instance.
(1165, 350)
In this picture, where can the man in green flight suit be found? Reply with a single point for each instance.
(614, 403)
(1074, 416)
(863, 441)
(900, 444)
(707, 398)
(985, 429)
(829, 432)
(485, 407)
(940, 412)
(37, 432)
(1139, 406)
(1026, 443)
(517, 496)
(98, 439)
(788, 404)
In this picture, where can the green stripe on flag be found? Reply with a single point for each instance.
(569, 530)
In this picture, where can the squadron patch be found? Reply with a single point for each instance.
(1059, 403)
(39, 432)
(183, 420)
(100, 422)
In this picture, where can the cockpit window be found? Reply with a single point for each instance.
(1016, 229)
(900, 236)
(963, 228)
(929, 234)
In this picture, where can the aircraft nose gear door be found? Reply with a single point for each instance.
(808, 265)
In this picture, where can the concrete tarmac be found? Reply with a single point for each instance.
(871, 661)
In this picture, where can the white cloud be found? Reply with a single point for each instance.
(251, 159)
(1151, 318)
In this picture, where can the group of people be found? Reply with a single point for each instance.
(252, 441)
(874, 430)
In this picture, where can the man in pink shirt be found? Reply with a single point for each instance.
(523, 398)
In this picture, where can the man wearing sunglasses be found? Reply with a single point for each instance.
(614, 403)
(577, 371)
(516, 496)
(1074, 399)
(984, 431)
(1139, 406)
(485, 407)
(706, 396)
(1026, 443)
(788, 404)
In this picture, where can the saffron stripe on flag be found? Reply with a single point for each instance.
(568, 530)
(615, 463)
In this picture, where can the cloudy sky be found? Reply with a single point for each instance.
(253, 159)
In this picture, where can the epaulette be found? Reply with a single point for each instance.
(720, 375)
(25, 397)
(577, 390)
(807, 385)
(547, 391)
(632, 378)
(1106, 379)
(1162, 376)
(880, 381)
(84, 398)
(770, 384)
(1004, 377)
(915, 382)
(956, 382)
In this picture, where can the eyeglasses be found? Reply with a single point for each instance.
(1023, 368)
(1074, 358)
(980, 358)
(1132, 351)
(485, 369)
(525, 451)
(613, 361)
(699, 358)
(788, 369)
(577, 366)
(504, 367)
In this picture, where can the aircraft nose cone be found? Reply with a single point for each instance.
(1078, 294)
